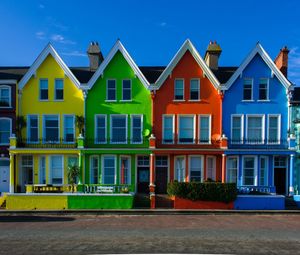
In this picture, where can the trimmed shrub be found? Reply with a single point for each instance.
(207, 191)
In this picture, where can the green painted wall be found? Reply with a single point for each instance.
(117, 69)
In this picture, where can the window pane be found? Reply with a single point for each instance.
(51, 128)
(94, 170)
(179, 89)
(195, 169)
(255, 129)
(44, 89)
(33, 128)
(168, 129)
(204, 129)
(194, 89)
(263, 173)
(5, 128)
(247, 94)
(232, 170)
(186, 129)
(125, 171)
(109, 170)
(100, 129)
(4, 97)
(111, 90)
(180, 169)
(248, 171)
(136, 129)
(119, 129)
(126, 90)
(236, 129)
(59, 89)
(57, 169)
(69, 128)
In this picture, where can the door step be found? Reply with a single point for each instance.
(141, 200)
(163, 201)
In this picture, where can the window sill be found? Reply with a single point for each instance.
(125, 101)
(58, 100)
(198, 100)
(267, 100)
(5, 107)
(248, 101)
(178, 100)
(110, 101)
(44, 100)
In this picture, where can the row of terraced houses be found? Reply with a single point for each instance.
(141, 127)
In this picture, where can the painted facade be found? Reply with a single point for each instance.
(187, 114)
(49, 101)
(118, 123)
(256, 121)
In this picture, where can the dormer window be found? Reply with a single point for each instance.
(43, 89)
(247, 92)
(59, 89)
(5, 99)
(263, 89)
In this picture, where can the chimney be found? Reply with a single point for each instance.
(94, 55)
(281, 61)
(212, 55)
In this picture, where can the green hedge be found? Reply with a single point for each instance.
(207, 191)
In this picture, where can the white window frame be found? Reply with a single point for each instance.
(214, 158)
(74, 130)
(247, 100)
(21, 176)
(44, 128)
(126, 100)
(43, 79)
(40, 168)
(90, 169)
(50, 169)
(28, 128)
(96, 127)
(131, 128)
(59, 79)
(111, 100)
(102, 168)
(163, 129)
(199, 86)
(255, 169)
(267, 170)
(202, 166)
(237, 168)
(199, 130)
(194, 128)
(9, 95)
(129, 168)
(264, 100)
(263, 128)
(184, 159)
(10, 130)
(278, 128)
(126, 126)
(179, 100)
(242, 128)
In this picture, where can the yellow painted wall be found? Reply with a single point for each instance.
(73, 102)
(36, 166)
(31, 202)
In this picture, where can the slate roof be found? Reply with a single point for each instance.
(83, 74)
(296, 96)
(224, 73)
(152, 72)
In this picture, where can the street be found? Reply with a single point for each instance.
(92, 234)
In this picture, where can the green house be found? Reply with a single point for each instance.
(118, 125)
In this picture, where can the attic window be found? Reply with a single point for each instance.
(247, 92)
(59, 89)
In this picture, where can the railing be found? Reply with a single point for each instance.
(253, 189)
(188, 143)
(43, 143)
(90, 142)
(47, 188)
(258, 143)
(96, 188)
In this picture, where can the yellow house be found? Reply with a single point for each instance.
(50, 101)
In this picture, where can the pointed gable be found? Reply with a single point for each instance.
(187, 46)
(118, 47)
(48, 50)
(258, 49)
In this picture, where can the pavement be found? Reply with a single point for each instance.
(210, 233)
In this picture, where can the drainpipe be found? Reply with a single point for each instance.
(291, 173)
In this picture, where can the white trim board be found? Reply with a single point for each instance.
(117, 47)
(40, 59)
(258, 49)
(187, 45)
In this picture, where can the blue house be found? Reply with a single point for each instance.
(256, 121)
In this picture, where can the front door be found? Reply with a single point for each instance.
(143, 174)
(4, 179)
(280, 180)
(161, 174)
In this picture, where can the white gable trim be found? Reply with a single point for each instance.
(40, 59)
(117, 47)
(187, 45)
(264, 55)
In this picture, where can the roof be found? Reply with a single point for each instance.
(258, 49)
(295, 96)
(12, 72)
(152, 72)
(118, 47)
(187, 46)
(48, 50)
(83, 74)
(224, 73)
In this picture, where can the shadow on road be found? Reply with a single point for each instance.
(33, 218)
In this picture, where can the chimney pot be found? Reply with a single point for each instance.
(212, 55)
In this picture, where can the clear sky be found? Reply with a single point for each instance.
(151, 30)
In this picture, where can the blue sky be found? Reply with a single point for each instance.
(152, 31)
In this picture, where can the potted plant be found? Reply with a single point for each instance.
(73, 174)
(79, 119)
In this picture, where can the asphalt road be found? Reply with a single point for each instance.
(223, 234)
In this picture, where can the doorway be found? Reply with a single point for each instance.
(161, 174)
(280, 171)
(26, 172)
(4, 176)
(143, 174)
